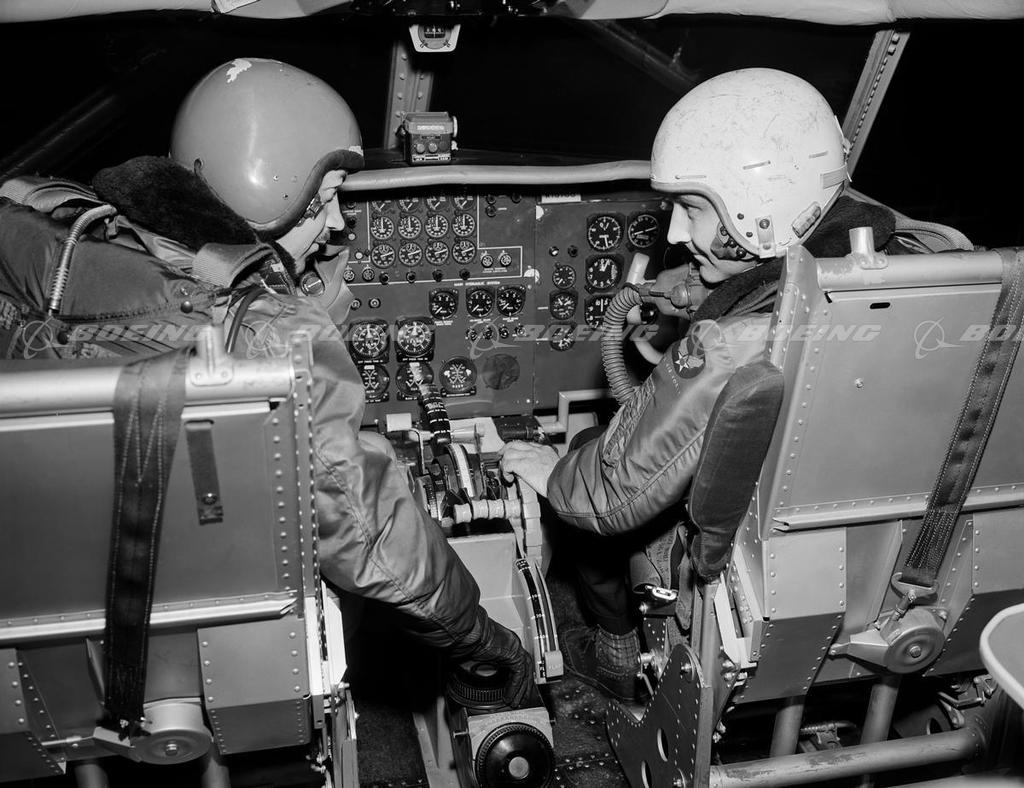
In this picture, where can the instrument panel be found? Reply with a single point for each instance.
(499, 296)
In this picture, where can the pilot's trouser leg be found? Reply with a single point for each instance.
(606, 655)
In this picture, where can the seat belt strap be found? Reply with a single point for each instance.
(973, 427)
(148, 402)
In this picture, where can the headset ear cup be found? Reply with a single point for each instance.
(761, 145)
(296, 127)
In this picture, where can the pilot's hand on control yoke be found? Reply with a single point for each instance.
(533, 463)
(500, 647)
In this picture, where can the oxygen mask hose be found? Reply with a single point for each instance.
(612, 331)
(60, 277)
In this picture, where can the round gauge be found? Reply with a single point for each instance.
(464, 202)
(511, 300)
(381, 227)
(563, 276)
(562, 304)
(433, 203)
(380, 205)
(443, 303)
(604, 232)
(479, 301)
(437, 252)
(602, 273)
(410, 254)
(643, 230)
(414, 337)
(593, 311)
(463, 224)
(504, 259)
(437, 225)
(383, 255)
(409, 204)
(407, 383)
(409, 226)
(562, 335)
(369, 340)
(463, 251)
(458, 375)
(375, 380)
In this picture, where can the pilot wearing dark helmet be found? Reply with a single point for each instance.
(246, 199)
(754, 162)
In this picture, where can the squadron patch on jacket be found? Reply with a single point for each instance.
(689, 357)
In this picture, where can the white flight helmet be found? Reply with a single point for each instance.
(763, 146)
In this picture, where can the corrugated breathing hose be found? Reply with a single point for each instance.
(60, 277)
(611, 343)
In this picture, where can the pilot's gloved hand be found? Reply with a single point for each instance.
(491, 642)
(531, 462)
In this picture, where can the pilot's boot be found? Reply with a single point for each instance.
(606, 661)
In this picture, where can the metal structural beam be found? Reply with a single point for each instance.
(829, 765)
(879, 67)
(637, 51)
(409, 89)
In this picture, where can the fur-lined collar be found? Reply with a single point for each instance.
(164, 197)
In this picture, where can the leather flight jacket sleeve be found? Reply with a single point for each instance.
(375, 540)
(644, 462)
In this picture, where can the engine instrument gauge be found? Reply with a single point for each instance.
(375, 381)
(380, 205)
(415, 338)
(437, 225)
(463, 251)
(383, 255)
(458, 376)
(381, 227)
(643, 231)
(409, 204)
(443, 303)
(463, 224)
(594, 309)
(410, 254)
(561, 336)
(409, 226)
(464, 202)
(511, 300)
(564, 276)
(407, 388)
(435, 202)
(479, 301)
(562, 304)
(604, 232)
(369, 340)
(603, 273)
(437, 252)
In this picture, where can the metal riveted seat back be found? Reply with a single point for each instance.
(878, 356)
(235, 648)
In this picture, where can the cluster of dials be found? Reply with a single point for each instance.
(602, 270)
(480, 301)
(411, 237)
(370, 343)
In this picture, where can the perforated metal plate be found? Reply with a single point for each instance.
(672, 740)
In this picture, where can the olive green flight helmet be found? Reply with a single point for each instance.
(262, 134)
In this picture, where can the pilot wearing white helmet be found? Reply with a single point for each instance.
(754, 162)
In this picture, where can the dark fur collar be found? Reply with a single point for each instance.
(171, 201)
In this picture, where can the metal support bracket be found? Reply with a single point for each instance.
(874, 81)
(409, 89)
(671, 744)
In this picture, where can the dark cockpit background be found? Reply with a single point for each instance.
(942, 148)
